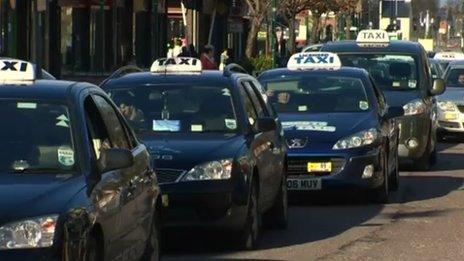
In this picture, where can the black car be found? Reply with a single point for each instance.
(401, 70)
(217, 146)
(75, 182)
(339, 129)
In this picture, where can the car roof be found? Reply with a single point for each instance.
(343, 72)
(459, 63)
(150, 78)
(40, 90)
(351, 46)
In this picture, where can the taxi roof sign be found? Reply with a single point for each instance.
(314, 60)
(373, 36)
(16, 71)
(178, 64)
(450, 56)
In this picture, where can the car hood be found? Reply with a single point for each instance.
(32, 195)
(176, 151)
(400, 98)
(345, 124)
(455, 94)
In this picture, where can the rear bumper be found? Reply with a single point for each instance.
(204, 204)
(348, 171)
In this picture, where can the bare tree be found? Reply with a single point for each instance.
(347, 8)
(319, 7)
(289, 9)
(257, 11)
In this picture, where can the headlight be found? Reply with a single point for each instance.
(214, 170)
(447, 106)
(357, 140)
(30, 233)
(414, 107)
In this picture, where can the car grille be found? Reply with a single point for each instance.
(461, 108)
(168, 175)
(299, 166)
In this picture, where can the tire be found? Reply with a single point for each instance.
(434, 157)
(440, 136)
(248, 237)
(153, 248)
(91, 251)
(394, 178)
(277, 216)
(379, 195)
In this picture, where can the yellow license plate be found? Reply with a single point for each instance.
(450, 116)
(319, 166)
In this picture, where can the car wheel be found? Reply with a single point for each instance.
(248, 238)
(277, 216)
(91, 251)
(153, 249)
(379, 195)
(394, 182)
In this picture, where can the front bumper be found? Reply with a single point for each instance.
(414, 136)
(347, 169)
(29, 254)
(451, 122)
(204, 204)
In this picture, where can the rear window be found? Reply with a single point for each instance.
(36, 137)
(390, 72)
(316, 94)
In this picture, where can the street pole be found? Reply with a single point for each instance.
(273, 35)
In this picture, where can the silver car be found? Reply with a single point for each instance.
(451, 103)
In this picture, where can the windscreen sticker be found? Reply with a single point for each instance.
(26, 105)
(66, 156)
(308, 125)
(302, 108)
(196, 128)
(62, 121)
(412, 84)
(166, 125)
(231, 124)
(363, 105)
(396, 84)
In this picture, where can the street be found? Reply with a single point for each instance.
(423, 221)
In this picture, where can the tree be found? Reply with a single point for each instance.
(319, 7)
(347, 8)
(257, 11)
(289, 9)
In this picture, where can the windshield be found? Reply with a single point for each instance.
(36, 137)
(455, 77)
(180, 109)
(316, 94)
(390, 72)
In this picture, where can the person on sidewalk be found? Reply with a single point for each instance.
(207, 58)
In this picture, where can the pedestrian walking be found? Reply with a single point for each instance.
(207, 58)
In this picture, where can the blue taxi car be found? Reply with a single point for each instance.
(75, 184)
(338, 127)
(217, 146)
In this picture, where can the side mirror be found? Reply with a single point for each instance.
(112, 159)
(394, 112)
(266, 124)
(438, 87)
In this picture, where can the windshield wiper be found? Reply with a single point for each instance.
(41, 171)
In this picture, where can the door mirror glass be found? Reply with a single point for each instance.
(394, 112)
(438, 87)
(112, 159)
(266, 124)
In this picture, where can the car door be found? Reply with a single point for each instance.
(135, 236)
(109, 196)
(260, 146)
(276, 165)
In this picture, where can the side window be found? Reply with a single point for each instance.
(379, 96)
(260, 109)
(258, 90)
(252, 116)
(116, 130)
(96, 128)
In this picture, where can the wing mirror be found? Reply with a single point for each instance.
(438, 87)
(266, 124)
(112, 159)
(394, 112)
